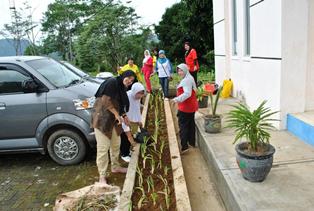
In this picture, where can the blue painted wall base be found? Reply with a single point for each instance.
(302, 130)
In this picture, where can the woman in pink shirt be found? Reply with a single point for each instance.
(147, 69)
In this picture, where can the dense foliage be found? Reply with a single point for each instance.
(99, 35)
(189, 20)
(94, 34)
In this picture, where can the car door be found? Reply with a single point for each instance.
(20, 113)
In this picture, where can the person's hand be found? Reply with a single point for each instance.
(133, 143)
(172, 103)
(152, 74)
(140, 124)
(126, 120)
(119, 119)
(195, 68)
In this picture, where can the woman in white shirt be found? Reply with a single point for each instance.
(164, 70)
(135, 118)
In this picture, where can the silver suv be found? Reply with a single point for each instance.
(45, 107)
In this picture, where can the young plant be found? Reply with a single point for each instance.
(145, 158)
(130, 207)
(143, 197)
(152, 165)
(166, 169)
(159, 165)
(150, 184)
(161, 149)
(166, 191)
(140, 176)
(214, 101)
(154, 197)
(143, 147)
(253, 126)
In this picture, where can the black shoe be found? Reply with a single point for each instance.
(184, 151)
(192, 145)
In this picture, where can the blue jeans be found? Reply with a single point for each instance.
(164, 83)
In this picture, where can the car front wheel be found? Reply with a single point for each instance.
(66, 147)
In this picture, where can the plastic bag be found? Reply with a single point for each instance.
(227, 88)
(141, 135)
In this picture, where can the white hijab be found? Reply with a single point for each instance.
(134, 113)
(146, 56)
(188, 80)
(187, 83)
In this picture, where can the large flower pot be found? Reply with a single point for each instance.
(203, 103)
(254, 168)
(212, 123)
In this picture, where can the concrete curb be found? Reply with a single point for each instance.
(129, 182)
(181, 192)
(222, 185)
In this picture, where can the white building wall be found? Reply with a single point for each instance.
(257, 78)
(266, 29)
(280, 68)
(309, 100)
(294, 56)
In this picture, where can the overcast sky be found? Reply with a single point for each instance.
(150, 10)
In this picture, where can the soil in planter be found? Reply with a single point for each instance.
(144, 195)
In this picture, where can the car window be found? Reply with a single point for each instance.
(74, 69)
(11, 80)
(56, 73)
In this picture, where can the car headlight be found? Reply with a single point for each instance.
(84, 104)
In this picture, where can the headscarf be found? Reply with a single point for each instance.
(146, 56)
(162, 60)
(136, 87)
(187, 79)
(114, 88)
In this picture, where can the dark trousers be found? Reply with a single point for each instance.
(186, 129)
(125, 145)
(194, 74)
(164, 83)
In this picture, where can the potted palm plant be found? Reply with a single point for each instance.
(212, 122)
(255, 155)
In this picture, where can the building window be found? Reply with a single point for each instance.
(247, 45)
(234, 28)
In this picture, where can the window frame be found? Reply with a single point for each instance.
(19, 69)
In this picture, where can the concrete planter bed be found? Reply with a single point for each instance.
(155, 179)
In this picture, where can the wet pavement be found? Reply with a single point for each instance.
(33, 181)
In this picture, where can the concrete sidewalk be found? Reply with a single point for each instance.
(289, 185)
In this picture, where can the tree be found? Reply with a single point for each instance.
(189, 20)
(110, 36)
(17, 29)
(171, 31)
(62, 23)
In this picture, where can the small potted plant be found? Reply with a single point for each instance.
(202, 97)
(212, 122)
(255, 155)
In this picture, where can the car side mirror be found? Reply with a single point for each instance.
(29, 86)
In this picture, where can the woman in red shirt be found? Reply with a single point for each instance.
(187, 106)
(191, 60)
(147, 69)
